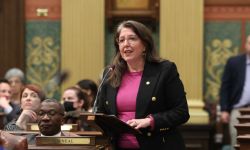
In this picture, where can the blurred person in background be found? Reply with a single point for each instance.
(75, 102)
(31, 98)
(6, 106)
(235, 89)
(15, 77)
(90, 88)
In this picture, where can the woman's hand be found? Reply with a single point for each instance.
(27, 116)
(139, 123)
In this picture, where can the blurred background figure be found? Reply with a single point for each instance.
(6, 106)
(15, 77)
(50, 118)
(90, 88)
(74, 101)
(31, 98)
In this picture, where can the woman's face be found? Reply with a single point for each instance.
(5, 91)
(30, 100)
(130, 46)
(70, 96)
(16, 85)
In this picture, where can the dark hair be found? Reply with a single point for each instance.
(36, 89)
(51, 100)
(4, 81)
(80, 95)
(145, 36)
(88, 85)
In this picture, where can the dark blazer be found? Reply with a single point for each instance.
(13, 115)
(161, 94)
(232, 82)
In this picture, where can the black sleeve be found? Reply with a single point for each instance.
(225, 87)
(14, 113)
(177, 112)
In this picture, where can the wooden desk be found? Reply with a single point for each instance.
(237, 147)
(244, 111)
(244, 119)
(99, 139)
(81, 133)
(244, 142)
(34, 147)
(197, 137)
(243, 129)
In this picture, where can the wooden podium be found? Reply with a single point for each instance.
(103, 122)
(96, 140)
(93, 140)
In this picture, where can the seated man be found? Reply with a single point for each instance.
(50, 117)
(8, 108)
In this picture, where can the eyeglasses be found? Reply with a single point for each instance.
(130, 39)
(49, 113)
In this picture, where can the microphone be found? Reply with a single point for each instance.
(111, 68)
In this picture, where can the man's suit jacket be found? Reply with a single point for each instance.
(232, 82)
(161, 94)
(13, 115)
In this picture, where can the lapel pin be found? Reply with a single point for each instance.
(153, 98)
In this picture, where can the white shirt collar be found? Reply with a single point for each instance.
(248, 59)
(58, 134)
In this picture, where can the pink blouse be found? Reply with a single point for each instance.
(126, 106)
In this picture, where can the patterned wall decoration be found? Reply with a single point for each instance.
(225, 32)
(222, 40)
(43, 44)
(43, 55)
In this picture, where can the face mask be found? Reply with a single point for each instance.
(68, 106)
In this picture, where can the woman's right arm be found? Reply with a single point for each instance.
(27, 116)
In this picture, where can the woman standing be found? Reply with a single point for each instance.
(144, 91)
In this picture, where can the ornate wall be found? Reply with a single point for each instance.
(226, 27)
(43, 44)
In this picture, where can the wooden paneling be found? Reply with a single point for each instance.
(227, 2)
(181, 41)
(82, 39)
(11, 35)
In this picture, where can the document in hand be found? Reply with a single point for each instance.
(111, 122)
